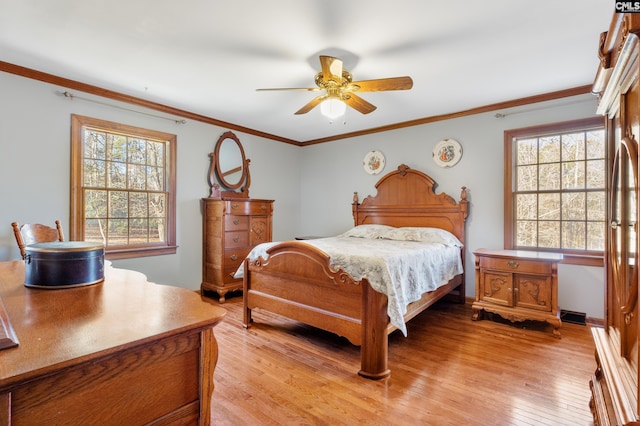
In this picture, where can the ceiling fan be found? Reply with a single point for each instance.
(340, 89)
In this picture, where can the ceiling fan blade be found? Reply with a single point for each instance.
(311, 105)
(307, 89)
(359, 104)
(393, 83)
(331, 68)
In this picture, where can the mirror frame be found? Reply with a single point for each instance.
(216, 173)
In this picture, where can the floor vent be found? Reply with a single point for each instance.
(573, 317)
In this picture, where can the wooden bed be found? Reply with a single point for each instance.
(296, 281)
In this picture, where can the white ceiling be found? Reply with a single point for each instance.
(209, 56)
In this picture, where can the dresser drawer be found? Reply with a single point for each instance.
(515, 265)
(236, 239)
(239, 207)
(234, 257)
(236, 222)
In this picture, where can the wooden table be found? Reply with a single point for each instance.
(124, 351)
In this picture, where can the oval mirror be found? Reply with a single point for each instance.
(231, 165)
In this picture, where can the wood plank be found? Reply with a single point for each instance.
(449, 370)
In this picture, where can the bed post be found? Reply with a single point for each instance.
(245, 296)
(375, 341)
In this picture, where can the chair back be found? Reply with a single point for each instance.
(31, 233)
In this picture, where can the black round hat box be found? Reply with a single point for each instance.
(63, 264)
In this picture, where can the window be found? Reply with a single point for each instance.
(555, 191)
(122, 188)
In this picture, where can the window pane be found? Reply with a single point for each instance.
(527, 151)
(527, 179)
(94, 173)
(549, 236)
(527, 233)
(595, 174)
(118, 204)
(155, 153)
(550, 149)
(549, 207)
(116, 148)
(595, 144)
(573, 206)
(157, 205)
(94, 231)
(573, 176)
(95, 145)
(95, 204)
(138, 205)
(549, 177)
(138, 230)
(573, 148)
(156, 230)
(596, 206)
(155, 179)
(573, 235)
(136, 151)
(595, 236)
(118, 231)
(117, 173)
(526, 206)
(137, 177)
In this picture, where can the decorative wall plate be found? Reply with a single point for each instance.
(447, 153)
(373, 162)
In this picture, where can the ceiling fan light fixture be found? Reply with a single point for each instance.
(333, 108)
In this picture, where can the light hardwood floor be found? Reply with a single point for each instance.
(448, 371)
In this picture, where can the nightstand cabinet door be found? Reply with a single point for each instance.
(497, 287)
(231, 228)
(533, 292)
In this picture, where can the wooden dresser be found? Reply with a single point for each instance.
(231, 228)
(124, 351)
(518, 285)
(614, 385)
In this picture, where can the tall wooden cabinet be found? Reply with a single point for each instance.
(231, 228)
(614, 385)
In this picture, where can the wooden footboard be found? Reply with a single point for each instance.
(297, 282)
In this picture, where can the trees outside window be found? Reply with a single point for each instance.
(555, 189)
(123, 187)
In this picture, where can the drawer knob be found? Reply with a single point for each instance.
(236, 239)
(236, 221)
(234, 206)
(234, 257)
(512, 264)
(263, 207)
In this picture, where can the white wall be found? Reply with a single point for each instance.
(312, 186)
(35, 171)
(333, 171)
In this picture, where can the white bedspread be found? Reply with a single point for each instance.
(403, 270)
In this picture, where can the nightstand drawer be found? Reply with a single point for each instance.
(515, 265)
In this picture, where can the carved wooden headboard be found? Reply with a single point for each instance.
(405, 197)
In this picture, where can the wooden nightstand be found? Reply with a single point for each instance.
(518, 285)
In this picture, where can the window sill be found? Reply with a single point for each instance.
(130, 252)
(585, 260)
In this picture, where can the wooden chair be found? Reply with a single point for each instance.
(31, 233)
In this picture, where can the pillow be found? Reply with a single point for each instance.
(372, 231)
(427, 235)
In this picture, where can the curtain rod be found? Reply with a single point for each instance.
(72, 96)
